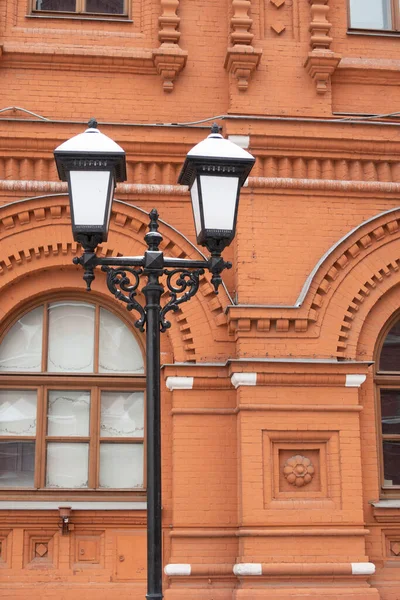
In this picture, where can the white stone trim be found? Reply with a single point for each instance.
(179, 383)
(178, 570)
(243, 141)
(242, 569)
(363, 568)
(27, 505)
(238, 379)
(355, 380)
(388, 503)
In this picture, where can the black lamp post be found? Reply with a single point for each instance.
(215, 169)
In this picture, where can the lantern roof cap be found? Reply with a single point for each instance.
(216, 146)
(90, 141)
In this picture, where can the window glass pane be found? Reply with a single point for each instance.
(390, 411)
(17, 464)
(121, 414)
(68, 413)
(67, 465)
(390, 354)
(119, 352)
(121, 465)
(370, 14)
(112, 7)
(391, 459)
(63, 5)
(71, 337)
(17, 412)
(21, 348)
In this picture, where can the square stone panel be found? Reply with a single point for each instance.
(5, 548)
(40, 549)
(392, 544)
(300, 466)
(131, 552)
(87, 549)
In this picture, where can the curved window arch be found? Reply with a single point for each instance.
(388, 389)
(71, 401)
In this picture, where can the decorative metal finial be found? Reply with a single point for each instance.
(215, 128)
(153, 238)
(153, 225)
(92, 124)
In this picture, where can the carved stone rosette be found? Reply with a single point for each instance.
(321, 61)
(242, 58)
(169, 59)
(298, 470)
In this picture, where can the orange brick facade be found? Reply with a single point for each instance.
(277, 371)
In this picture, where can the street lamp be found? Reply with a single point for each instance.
(215, 169)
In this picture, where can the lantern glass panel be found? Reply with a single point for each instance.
(219, 195)
(90, 194)
(194, 192)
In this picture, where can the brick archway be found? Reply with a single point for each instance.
(36, 257)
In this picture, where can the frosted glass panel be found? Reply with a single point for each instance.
(17, 412)
(89, 196)
(121, 465)
(71, 337)
(219, 201)
(68, 413)
(119, 351)
(194, 193)
(21, 348)
(122, 414)
(17, 464)
(67, 465)
(370, 14)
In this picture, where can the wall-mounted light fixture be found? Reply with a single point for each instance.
(65, 519)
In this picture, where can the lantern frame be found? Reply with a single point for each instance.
(87, 154)
(205, 159)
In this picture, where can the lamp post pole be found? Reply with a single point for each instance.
(93, 162)
(152, 292)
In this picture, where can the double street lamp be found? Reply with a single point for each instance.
(215, 170)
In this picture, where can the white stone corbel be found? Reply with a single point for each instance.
(362, 568)
(243, 569)
(355, 380)
(179, 383)
(239, 379)
(178, 570)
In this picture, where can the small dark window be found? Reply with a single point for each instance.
(388, 381)
(390, 354)
(101, 7)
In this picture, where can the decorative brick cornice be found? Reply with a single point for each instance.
(321, 61)
(242, 58)
(82, 58)
(169, 59)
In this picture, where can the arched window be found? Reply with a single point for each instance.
(388, 384)
(71, 401)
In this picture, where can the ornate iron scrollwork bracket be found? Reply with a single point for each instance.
(179, 281)
(127, 292)
(182, 276)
